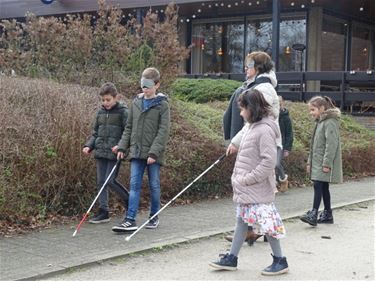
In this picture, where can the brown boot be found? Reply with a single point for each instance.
(251, 237)
(284, 184)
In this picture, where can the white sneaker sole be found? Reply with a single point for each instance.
(222, 267)
(152, 226)
(101, 221)
(121, 229)
(285, 270)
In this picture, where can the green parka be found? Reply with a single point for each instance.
(107, 130)
(147, 131)
(325, 148)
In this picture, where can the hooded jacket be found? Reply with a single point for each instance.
(265, 83)
(107, 130)
(325, 148)
(270, 95)
(269, 92)
(253, 177)
(147, 131)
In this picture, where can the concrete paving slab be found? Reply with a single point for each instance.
(55, 249)
(309, 255)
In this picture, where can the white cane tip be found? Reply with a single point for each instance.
(127, 239)
(75, 232)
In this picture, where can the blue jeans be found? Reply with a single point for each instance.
(137, 169)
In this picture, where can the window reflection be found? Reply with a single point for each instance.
(259, 35)
(292, 32)
(333, 44)
(362, 48)
(206, 42)
(233, 51)
(217, 47)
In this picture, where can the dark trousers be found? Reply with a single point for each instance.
(103, 169)
(321, 189)
(279, 170)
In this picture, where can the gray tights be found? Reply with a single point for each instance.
(240, 235)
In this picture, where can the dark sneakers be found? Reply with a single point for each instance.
(101, 217)
(310, 217)
(325, 217)
(152, 224)
(279, 266)
(125, 226)
(226, 262)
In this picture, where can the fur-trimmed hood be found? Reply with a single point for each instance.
(330, 113)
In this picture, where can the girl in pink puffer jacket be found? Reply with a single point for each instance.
(253, 182)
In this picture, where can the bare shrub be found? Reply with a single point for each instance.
(43, 171)
(88, 51)
(359, 161)
(43, 128)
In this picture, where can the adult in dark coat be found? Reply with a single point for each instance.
(232, 120)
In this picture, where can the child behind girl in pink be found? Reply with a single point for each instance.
(324, 164)
(253, 182)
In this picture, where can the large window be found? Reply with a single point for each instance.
(292, 47)
(333, 44)
(259, 35)
(217, 47)
(362, 48)
(233, 48)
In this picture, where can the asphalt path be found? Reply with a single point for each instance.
(342, 251)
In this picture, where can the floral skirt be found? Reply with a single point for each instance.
(264, 218)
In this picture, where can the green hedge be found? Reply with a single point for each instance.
(204, 90)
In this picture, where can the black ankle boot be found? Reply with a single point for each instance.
(325, 217)
(310, 217)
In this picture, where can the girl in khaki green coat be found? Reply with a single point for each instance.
(324, 162)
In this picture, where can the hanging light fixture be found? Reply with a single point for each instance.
(287, 50)
(220, 52)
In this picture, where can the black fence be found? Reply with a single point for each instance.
(352, 91)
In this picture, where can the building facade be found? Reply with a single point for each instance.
(301, 35)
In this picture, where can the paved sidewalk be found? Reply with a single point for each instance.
(47, 252)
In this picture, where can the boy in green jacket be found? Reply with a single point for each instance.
(144, 141)
(109, 125)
